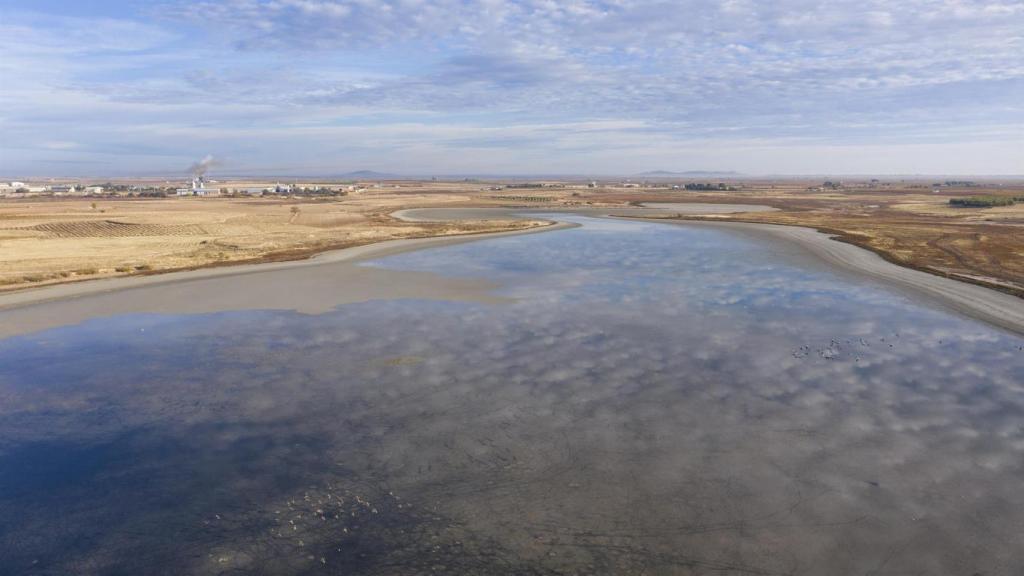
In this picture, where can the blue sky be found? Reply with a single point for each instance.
(489, 86)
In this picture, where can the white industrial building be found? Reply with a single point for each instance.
(198, 188)
(8, 188)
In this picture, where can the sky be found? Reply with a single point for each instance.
(320, 87)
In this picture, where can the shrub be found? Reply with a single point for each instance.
(982, 201)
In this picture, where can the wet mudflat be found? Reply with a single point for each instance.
(654, 399)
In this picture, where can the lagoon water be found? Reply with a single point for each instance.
(654, 399)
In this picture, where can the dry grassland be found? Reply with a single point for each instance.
(45, 241)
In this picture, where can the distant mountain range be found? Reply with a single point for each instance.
(668, 174)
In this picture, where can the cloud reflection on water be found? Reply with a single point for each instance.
(664, 399)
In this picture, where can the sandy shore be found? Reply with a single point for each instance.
(699, 209)
(996, 308)
(647, 209)
(328, 280)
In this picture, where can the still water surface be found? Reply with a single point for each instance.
(656, 399)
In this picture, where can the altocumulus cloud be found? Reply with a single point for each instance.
(493, 86)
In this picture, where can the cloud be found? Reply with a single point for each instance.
(835, 73)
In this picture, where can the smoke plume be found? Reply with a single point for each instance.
(199, 168)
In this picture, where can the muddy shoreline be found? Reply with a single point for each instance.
(329, 279)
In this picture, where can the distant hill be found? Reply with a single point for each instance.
(667, 174)
(368, 175)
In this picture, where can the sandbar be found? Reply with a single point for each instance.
(327, 280)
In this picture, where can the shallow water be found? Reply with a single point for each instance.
(657, 399)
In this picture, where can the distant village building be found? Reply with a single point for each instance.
(11, 187)
(63, 189)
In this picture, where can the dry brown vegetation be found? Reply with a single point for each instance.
(46, 241)
(911, 223)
